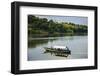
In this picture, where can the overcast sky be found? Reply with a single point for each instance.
(73, 19)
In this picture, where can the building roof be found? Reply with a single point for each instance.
(60, 47)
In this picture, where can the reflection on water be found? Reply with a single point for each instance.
(77, 44)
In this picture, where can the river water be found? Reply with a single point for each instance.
(77, 44)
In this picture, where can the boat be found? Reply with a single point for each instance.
(58, 50)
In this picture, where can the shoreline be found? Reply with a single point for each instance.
(56, 35)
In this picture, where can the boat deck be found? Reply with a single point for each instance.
(58, 52)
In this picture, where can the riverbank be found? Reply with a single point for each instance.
(56, 35)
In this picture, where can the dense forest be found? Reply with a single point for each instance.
(42, 27)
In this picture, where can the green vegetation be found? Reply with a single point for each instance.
(42, 27)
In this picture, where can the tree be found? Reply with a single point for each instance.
(38, 25)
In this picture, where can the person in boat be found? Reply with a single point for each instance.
(67, 48)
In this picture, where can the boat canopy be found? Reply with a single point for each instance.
(60, 47)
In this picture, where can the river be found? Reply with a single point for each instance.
(77, 44)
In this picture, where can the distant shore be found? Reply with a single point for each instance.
(42, 27)
(56, 35)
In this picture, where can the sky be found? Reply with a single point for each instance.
(73, 19)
